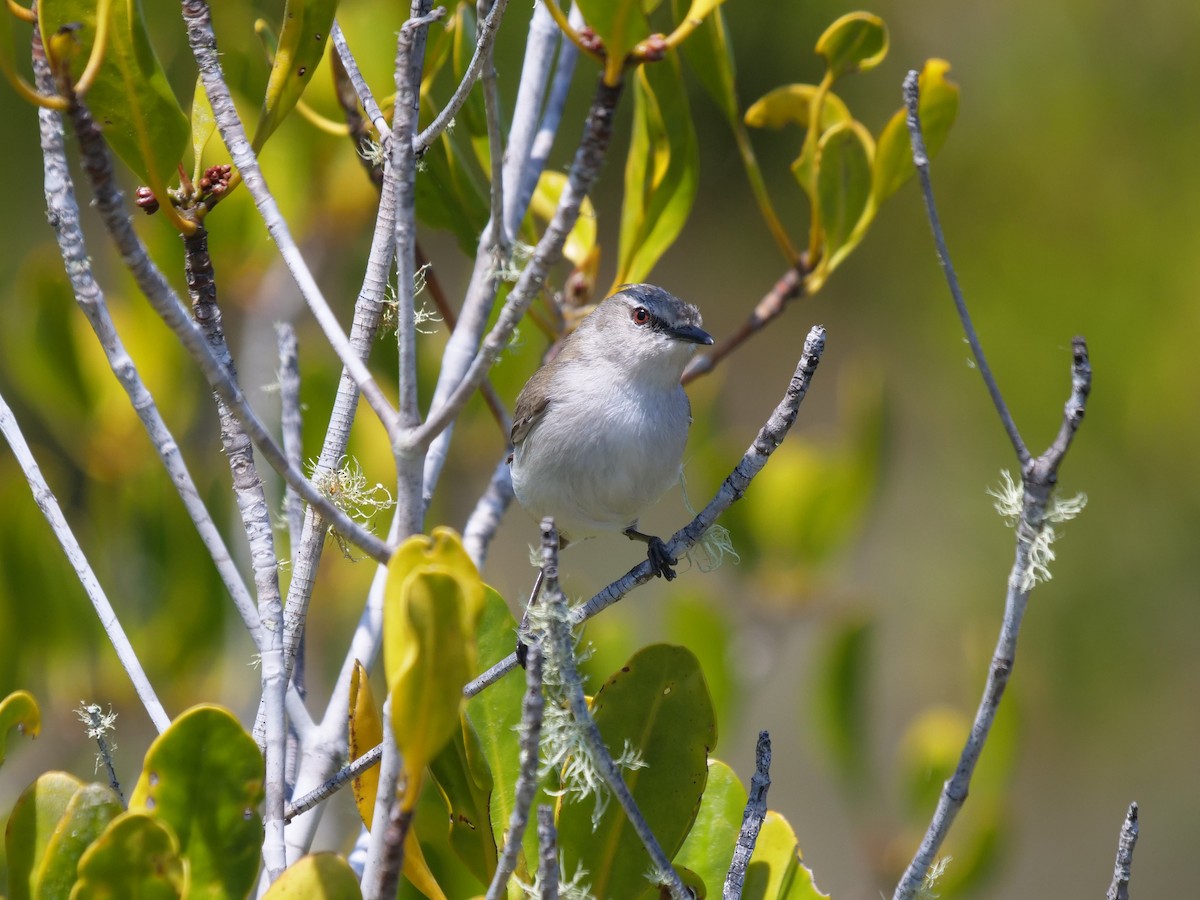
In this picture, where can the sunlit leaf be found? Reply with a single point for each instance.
(777, 870)
(856, 42)
(31, 828)
(204, 777)
(791, 104)
(136, 856)
(302, 41)
(708, 849)
(620, 24)
(130, 99)
(465, 783)
(365, 732)
(318, 876)
(843, 186)
(449, 193)
(661, 171)
(580, 245)
(91, 808)
(709, 54)
(204, 125)
(658, 704)
(938, 108)
(20, 711)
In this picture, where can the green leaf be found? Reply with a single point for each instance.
(708, 849)
(449, 194)
(31, 828)
(709, 53)
(318, 876)
(203, 776)
(938, 108)
(204, 125)
(91, 808)
(705, 628)
(465, 784)
(843, 187)
(776, 870)
(857, 42)
(659, 705)
(433, 601)
(473, 116)
(580, 247)
(137, 856)
(302, 41)
(841, 700)
(620, 24)
(790, 104)
(130, 99)
(661, 172)
(20, 711)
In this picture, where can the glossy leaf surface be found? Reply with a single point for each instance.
(135, 858)
(843, 187)
(709, 54)
(318, 876)
(91, 808)
(131, 99)
(465, 784)
(776, 870)
(708, 849)
(203, 776)
(791, 104)
(20, 711)
(658, 703)
(31, 828)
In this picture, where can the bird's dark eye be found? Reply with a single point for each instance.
(640, 315)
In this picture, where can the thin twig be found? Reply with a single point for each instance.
(491, 106)
(752, 819)
(1039, 477)
(365, 97)
(97, 725)
(48, 504)
(547, 853)
(527, 776)
(768, 439)
(343, 777)
(1119, 889)
(921, 161)
(290, 427)
(489, 510)
(203, 42)
(559, 647)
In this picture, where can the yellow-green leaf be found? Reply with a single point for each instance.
(318, 876)
(464, 781)
(20, 711)
(31, 828)
(791, 104)
(130, 99)
(657, 704)
(433, 601)
(136, 856)
(620, 24)
(777, 870)
(708, 848)
(365, 732)
(91, 808)
(856, 42)
(449, 193)
(580, 246)
(204, 777)
(709, 53)
(204, 125)
(302, 41)
(661, 172)
(843, 187)
(938, 108)
(472, 117)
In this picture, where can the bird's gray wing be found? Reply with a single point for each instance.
(531, 406)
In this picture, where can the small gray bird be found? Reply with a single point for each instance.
(598, 433)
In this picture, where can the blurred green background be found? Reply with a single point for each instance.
(859, 623)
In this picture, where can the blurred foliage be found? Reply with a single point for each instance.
(1066, 188)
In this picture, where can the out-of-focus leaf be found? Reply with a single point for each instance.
(365, 732)
(661, 171)
(462, 778)
(203, 776)
(433, 601)
(840, 693)
(620, 24)
(580, 245)
(857, 42)
(473, 116)
(938, 107)
(302, 41)
(704, 627)
(130, 99)
(20, 711)
(137, 856)
(790, 104)
(657, 704)
(709, 53)
(318, 876)
(928, 755)
(777, 870)
(843, 188)
(204, 125)
(91, 808)
(31, 828)
(708, 849)
(449, 194)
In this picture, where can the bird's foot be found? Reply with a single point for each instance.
(656, 551)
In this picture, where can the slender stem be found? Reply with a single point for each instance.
(48, 504)
(203, 43)
(1119, 889)
(547, 853)
(732, 489)
(752, 819)
(912, 101)
(290, 427)
(568, 29)
(527, 776)
(489, 510)
(559, 646)
(491, 105)
(343, 777)
(370, 107)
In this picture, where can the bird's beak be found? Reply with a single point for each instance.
(691, 334)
